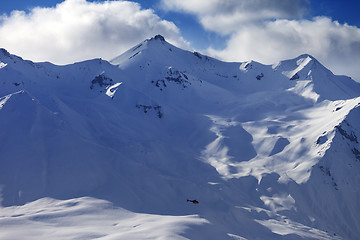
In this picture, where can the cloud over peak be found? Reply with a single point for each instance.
(271, 30)
(336, 45)
(75, 30)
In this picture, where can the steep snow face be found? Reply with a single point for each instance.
(315, 78)
(331, 188)
(263, 149)
(291, 145)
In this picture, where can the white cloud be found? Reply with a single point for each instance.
(271, 30)
(224, 17)
(336, 45)
(76, 30)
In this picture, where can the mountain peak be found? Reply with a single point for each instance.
(293, 67)
(305, 55)
(153, 47)
(158, 37)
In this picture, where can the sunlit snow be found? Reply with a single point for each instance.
(162, 143)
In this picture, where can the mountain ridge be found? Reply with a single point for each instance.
(157, 125)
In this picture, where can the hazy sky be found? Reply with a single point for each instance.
(233, 30)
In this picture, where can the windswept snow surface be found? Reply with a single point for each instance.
(268, 151)
(88, 218)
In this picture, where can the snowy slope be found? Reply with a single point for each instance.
(269, 151)
(90, 219)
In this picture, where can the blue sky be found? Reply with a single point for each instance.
(232, 30)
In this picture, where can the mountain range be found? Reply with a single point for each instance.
(120, 149)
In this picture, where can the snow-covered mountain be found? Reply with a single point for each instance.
(268, 151)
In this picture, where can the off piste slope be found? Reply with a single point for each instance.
(268, 151)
